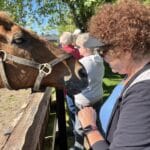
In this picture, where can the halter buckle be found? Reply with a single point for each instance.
(45, 68)
(3, 55)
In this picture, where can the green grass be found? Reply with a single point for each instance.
(110, 81)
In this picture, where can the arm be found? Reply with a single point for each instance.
(132, 132)
(71, 50)
(87, 116)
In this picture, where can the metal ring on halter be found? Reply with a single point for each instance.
(45, 68)
(3, 54)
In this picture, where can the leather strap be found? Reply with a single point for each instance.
(3, 75)
(44, 69)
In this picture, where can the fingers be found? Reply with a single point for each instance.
(87, 116)
(85, 110)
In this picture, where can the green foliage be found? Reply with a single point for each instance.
(147, 2)
(82, 11)
(46, 14)
(53, 14)
(58, 13)
(16, 12)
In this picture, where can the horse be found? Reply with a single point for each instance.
(27, 60)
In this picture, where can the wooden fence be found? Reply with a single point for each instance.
(29, 131)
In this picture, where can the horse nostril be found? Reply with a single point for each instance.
(82, 73)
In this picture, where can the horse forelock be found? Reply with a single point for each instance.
(5, 16)
(6, 20)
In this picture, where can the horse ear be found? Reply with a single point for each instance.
(6, 20)
(6, 16)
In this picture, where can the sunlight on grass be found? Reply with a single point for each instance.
(111, 82)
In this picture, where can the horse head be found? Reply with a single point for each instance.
(30, 61)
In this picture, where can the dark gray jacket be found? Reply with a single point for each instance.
(129, 125)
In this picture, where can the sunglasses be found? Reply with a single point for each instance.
(103, 50)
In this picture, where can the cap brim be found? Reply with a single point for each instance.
(93, 43)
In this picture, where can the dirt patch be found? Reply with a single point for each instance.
(12, 103)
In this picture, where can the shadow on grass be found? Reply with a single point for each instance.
(109, 73)
(110, 81)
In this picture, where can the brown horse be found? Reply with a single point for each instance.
(27, 60)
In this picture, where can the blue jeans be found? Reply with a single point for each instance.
(72, 108)
(78, 132)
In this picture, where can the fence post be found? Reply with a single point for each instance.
(60, 111)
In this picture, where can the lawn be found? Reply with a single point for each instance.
(110, 81)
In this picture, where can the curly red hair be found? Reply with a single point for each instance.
(125, 25)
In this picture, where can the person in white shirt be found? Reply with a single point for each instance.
(93, 93)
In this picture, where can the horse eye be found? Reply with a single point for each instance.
(18, 40)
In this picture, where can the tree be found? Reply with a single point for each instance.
(82, 11)
(49, 14)
(45, 15)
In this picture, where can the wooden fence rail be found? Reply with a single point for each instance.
(28, 133)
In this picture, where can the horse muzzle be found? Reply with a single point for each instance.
(76, 85)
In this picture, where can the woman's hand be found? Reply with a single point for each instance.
(87, 116)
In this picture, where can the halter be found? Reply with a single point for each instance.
(44, 69)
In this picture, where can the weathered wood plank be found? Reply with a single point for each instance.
(3, 140)
(4, 136)
(11, 118)
(26, 134)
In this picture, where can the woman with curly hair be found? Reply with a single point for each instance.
(124, 28)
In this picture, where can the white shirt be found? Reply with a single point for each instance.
(94, 91)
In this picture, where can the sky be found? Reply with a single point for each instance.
(35, 25)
